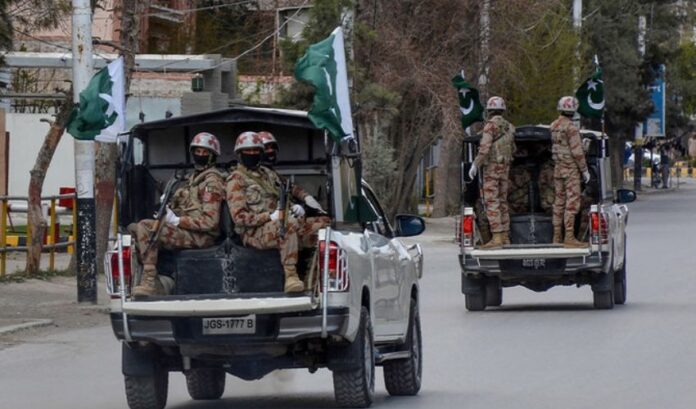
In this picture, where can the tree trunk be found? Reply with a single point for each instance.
(447, 178)
(36, 222)
(106, 154)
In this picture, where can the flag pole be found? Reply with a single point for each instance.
(84, 158)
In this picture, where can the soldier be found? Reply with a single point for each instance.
(495, 153)
(192, 218)
(252, 196)
(569, 160)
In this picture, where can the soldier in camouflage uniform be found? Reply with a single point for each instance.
(252, 193)
(521, 176)
(495, 153)
(192, 218)
(569, 160)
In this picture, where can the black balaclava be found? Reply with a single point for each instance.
(270, 158)
(203, 161)
(250, 161)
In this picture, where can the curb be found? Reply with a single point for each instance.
(8, 329)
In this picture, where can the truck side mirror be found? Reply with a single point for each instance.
(409, 225)
(625, 196)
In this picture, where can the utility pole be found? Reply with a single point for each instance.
(638, 136)
(577, 24)
(84, 158)
(485, 22)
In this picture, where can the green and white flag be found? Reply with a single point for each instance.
(101, 113)
(324, 67)
(590, 96)
(469, 102)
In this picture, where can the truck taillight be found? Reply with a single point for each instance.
(126, 268)
(598, 228)
(467, 236)
(338, 267)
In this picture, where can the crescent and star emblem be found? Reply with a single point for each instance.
(466, 110)
(592, 85)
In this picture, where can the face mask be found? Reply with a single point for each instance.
(251, 161)
(270, 158)
(201, 160)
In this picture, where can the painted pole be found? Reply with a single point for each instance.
(577, 24)
(84, 158)
(638, 136)
(485, 22)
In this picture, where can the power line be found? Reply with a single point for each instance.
(187, 11)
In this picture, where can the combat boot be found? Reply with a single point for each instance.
(571, 242)
(506, 237)
(149, 283)
(292, 281)
(495, 243)
(557, 235)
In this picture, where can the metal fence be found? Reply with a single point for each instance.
(50, 245)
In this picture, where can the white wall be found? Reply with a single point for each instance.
(26, 137)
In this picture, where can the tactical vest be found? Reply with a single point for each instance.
(504, 145)
(186, 201)
(559, 138)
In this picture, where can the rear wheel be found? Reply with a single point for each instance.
(402, 377)
(147, 392)
(205, 383)
(475, 302)
(355, 388)
(494, 293)
(603, 300)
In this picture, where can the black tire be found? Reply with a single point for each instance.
(205, 383)
(475, 302)
(402, 377)
(147, 392)
(494, 293)
(620, 281)
(603, 300)
(355, 388)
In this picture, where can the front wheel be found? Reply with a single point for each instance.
(402, 377)
(620, 281)
(355, 388)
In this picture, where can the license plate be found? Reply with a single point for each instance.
(534, 263)
(230, 325)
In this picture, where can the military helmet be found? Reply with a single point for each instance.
(205, 140)
(495, 104)
(268, 139)
(248, 140)
(568, 104)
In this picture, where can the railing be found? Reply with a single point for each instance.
(50, 245)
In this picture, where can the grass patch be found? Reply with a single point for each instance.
(22, 276)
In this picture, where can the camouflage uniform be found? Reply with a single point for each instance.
(197, 203)
(547, 191)
(495, 153)
(252, 195)
(570, 163)
(518, 194)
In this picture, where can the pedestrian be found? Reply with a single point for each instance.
(192, 217)
(495, 155)
(664, 165)
(569, 165)
(252, 193)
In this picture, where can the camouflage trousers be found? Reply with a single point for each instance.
(496, 183)
(170, 237)
(567, 203)
(299, 233)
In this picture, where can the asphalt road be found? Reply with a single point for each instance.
(539, 350)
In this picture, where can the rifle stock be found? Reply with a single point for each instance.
(157, 228)
(283, 207)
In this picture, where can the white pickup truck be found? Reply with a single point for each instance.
(227, 313)
(531, 260)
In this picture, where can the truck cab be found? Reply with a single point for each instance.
(532, 260)
(226, 312)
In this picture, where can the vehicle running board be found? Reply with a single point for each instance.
(522, 253)
(218, 307)
(388, 356)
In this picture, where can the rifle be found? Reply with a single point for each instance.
(159, 215)
(282, 206)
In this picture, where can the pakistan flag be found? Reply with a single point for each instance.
(590, 96)
(324, 67)
(101, 114)
(469, 103)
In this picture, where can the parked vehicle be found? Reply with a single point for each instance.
(531, 260)
(227, 313)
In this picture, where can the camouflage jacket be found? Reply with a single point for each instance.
(296, 191)
(252, 195)
(197, 203)
(568, 153)
(497, 144)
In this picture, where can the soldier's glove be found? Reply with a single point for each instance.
(171, 218)
(586, 177)
(473, 171)
(297, 210)
(312, 203)
(275, 215)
